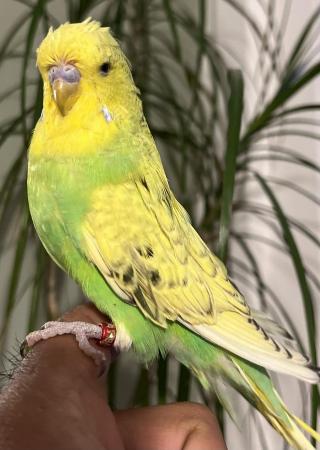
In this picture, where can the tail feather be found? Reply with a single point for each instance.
(211, 364)
(306, 428)
(273, 410)
(279, 417)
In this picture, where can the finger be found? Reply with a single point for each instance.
(186, 426)
(66, 348)
(86, 313)
(90, 314)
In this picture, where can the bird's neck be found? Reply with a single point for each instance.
(91, 127)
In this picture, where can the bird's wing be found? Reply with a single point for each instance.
(143, 244)
(149, 254)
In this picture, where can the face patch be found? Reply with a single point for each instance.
(106, 114)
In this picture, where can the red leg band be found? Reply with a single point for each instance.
(108, 334)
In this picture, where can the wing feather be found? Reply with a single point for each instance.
(142, 242)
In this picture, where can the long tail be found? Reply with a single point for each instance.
(212, 364)
(261, 393)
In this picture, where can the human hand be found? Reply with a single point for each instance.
(56, 400)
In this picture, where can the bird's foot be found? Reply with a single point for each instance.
(104, 334)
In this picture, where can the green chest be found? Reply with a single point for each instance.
(57, 191)
(59, 197)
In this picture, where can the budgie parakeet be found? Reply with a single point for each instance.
(102, 207)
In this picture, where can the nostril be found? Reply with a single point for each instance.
(66, 72)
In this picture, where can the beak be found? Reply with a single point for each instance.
(64, 80)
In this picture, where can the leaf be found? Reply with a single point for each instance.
(141, 394)
(234, 114)
(162, 379)
(255, 268)
(11, 34)
(297, 109)
(16, 267)
(173, 27)
(37, 13)
(37, 289)
(304, 286)
(276, 153)
(297, 51)
(184, 382)
(280, 98)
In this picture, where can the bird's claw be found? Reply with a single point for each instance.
(104, 334)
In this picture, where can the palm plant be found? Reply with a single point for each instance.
(215, 149)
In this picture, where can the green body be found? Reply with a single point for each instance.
(59, 194)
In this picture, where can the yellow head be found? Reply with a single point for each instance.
(84, 71)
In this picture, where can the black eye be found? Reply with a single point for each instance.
(104, 68)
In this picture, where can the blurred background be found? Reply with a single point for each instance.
(232, 95)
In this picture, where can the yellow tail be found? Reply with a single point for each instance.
(284, 422)
(292, 432)
(306, 427)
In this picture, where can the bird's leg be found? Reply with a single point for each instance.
(104, 334)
